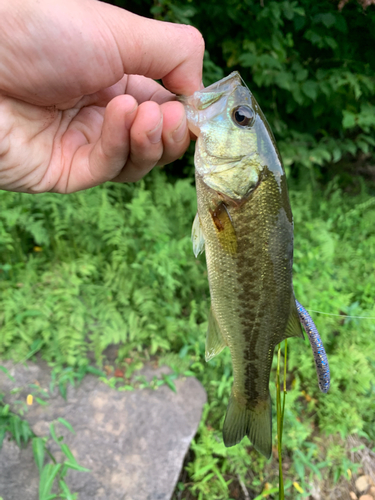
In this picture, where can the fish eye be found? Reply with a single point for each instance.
(243, 116)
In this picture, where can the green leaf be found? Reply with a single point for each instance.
(6, 371)
(66, 450)
(5, 410)
(310, 89)
(15, 428)
(47, 478)
(35, 347)
(167, 379)
(41, 401)
(53, 434)
(328, 19)
(247, 60)
(38, 450)
(75, 466)
(66, 491)
(95, 371)
(26, 432)
(67, 424)
(302, 74)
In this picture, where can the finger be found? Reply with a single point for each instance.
(146, 146)
(141, 88)
(175, 140)
(176, 137)
(146, 89)
(159, 50)
(95, 164)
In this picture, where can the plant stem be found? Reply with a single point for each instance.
(280, 416)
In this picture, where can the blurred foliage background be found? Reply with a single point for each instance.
(114, 264)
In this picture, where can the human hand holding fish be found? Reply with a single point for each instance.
(245, 225)
(78, 102)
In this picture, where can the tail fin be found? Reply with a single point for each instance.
(256, 423)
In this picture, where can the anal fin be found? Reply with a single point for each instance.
(215, 341)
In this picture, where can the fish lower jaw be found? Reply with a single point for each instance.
(235, 183)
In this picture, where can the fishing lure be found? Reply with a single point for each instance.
(320, 356)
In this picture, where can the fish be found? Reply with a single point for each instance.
(244, 223)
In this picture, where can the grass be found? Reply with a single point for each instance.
(114, 265)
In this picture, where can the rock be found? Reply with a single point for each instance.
(134, 442)
(362, 483)
(19, 476)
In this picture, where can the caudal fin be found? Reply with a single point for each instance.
(255, 423)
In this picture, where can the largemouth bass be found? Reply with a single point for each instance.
(245, 224)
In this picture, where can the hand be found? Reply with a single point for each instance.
(73, 112)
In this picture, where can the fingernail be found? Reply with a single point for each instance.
(129, 118)
(132, 110)
(180, 132)
(155, 135)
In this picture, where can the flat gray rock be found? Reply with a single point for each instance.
(134, 442)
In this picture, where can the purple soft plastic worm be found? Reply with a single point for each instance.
(320, 356)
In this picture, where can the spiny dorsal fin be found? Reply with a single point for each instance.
(215, 341)
(197, 236)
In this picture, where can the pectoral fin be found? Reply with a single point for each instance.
(224, 228)
(197, 236)
(215, 341)
(293, 328)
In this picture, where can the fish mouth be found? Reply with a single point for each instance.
(226, 84)
(203, 99)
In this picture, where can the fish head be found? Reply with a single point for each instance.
(234, 141)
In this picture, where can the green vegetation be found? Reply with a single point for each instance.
(114, 265)
(51, 474)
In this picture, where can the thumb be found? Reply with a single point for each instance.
(157, 49)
